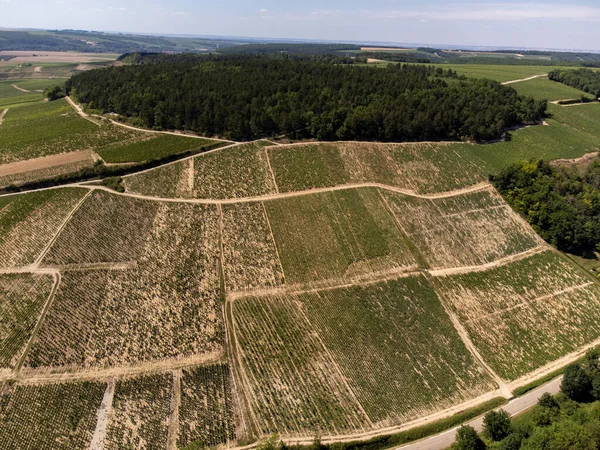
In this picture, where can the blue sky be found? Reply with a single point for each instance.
(571, 24)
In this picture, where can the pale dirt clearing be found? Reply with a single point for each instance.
(587, 158)
(525, 79)
(2, 114)
(103, 416)
(38, 69)
(46, 162)
(20, 89)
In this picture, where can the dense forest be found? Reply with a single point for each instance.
(561, 203)
(586, 80)
(568, 420)
(249, 97)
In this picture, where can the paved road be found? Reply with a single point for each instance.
(516, 406)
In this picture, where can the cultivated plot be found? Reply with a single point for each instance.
(165, 306)
(362, 357)
(422, 167)
(22, 298)
(250, 256)
(463, 230)
(239, 171)
(29, 222)
(526, 314)
(206, 409)
(292, 383)
(140, 413)
(584, 118)
(344, 234)
(49, 417)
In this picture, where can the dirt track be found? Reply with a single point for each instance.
(20, 89)
(2, 114)
(525, 79)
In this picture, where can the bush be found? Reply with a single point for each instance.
(54, 92)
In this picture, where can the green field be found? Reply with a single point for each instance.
(545, 89)
(156, 147)
(525, 314)
(342, 234)
(9, 96)
(584, 118)
(499, 73)
(299, 350)
(52, 416)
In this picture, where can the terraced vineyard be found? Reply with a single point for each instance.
(527, 313)
(545, 89)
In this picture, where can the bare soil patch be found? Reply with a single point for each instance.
(20, 89)
(46, 162)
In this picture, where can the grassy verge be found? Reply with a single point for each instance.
(404, 437)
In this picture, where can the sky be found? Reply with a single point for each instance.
(566, 24)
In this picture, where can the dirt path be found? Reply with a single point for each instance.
(2, 114)
(103, 417)
(60, 229)
(174, 411)
(45, 375)
(20, 89)
(525, 79)
(409, 193)
(271, 169)
(81, 112)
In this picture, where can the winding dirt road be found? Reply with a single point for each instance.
(525, 79)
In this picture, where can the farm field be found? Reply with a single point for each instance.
(140, 413)
(585, 118)
(501, 73)
(346, 344)
(51, 416)
(206, 415)
(10, 96)
(239, 171)
(162, 304)
(29, 221)
(439, 228)
(250, 257)
(22, 298)
(337, 235)
(154, 146)
(545, 89)
(422, 167)
(526, 314)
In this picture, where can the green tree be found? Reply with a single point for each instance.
(468, 439)
(565, 435)
(54, 92)
(497, 425)
(576, 383)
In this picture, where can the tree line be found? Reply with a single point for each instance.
(585, 80)
(569, 420)
(244, 97)
(560, 203)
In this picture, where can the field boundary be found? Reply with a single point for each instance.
(2, 114)
(173, 430)
(103, 417)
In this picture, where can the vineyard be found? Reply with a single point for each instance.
(49, 417)
(28, 223)
(154, 146)
(22, 298)
(41, 129)
(527, 313)
(250, 254)
(293, 385)
(206, 410)
(10, 96)
(584, 118)
(140, 413)
(342, 234)
(423, 167)
(439, 228)
(234, 172)
(397, 348)
(545, 89)
(166, 306)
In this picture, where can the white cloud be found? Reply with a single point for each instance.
(111, 8)
(180, 13)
